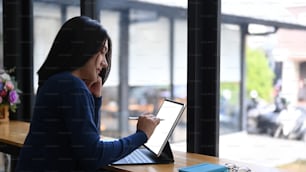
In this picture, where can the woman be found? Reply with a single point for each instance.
(64, 131)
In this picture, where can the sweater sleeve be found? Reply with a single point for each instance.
(78, 109)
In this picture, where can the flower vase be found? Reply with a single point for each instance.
(4, 113)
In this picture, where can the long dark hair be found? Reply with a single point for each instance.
(76, 42)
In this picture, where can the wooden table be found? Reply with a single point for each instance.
(12, 136)
(13, 133)
(183, 159)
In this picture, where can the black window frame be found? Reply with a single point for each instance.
(203, 65)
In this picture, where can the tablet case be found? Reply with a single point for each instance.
(167, 155)
(205, 167)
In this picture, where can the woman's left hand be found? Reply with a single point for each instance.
(96, 87)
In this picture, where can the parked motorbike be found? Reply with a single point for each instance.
(278, 120)
(262, 117)
(292, 124)
(299, 131)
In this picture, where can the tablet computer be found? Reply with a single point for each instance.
(157, 149)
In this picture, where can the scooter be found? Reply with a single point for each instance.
(262, 118)
(292, 124)
(299, 131)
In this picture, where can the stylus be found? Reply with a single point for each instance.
(136, 118)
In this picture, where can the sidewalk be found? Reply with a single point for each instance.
(257, 149)
(262, 150)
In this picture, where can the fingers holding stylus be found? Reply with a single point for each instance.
(147, 123)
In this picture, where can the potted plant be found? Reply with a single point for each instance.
(9, 95)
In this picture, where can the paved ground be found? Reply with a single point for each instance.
(256, 149)
(261, 150)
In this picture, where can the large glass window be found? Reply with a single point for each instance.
(230, 78)
(110, 115)
(265, 71)
(270, 67)
(48, 18)
(1, 35)
(268, 128)
(157, 67)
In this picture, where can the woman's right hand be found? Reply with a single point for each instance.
(147, 123)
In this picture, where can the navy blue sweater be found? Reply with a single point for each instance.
(64, 133)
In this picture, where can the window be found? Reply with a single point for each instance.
(267, 66)
(1, 35)
(156, 66)
(48, 17)
(230, 78)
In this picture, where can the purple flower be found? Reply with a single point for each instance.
(13, 96)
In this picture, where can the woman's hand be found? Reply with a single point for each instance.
(95, 87)
(147, 123)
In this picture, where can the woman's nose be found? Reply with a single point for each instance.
(104, 63)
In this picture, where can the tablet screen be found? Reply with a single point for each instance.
(169, 113)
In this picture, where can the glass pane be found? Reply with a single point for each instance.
(180, 79)
(269, 126)
(1, 35)
(109, 118)
(149, 67)
(230, 78)
(47, 17)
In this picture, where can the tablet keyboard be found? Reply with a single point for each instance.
(136, 157)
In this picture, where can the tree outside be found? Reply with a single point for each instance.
(259, 76)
